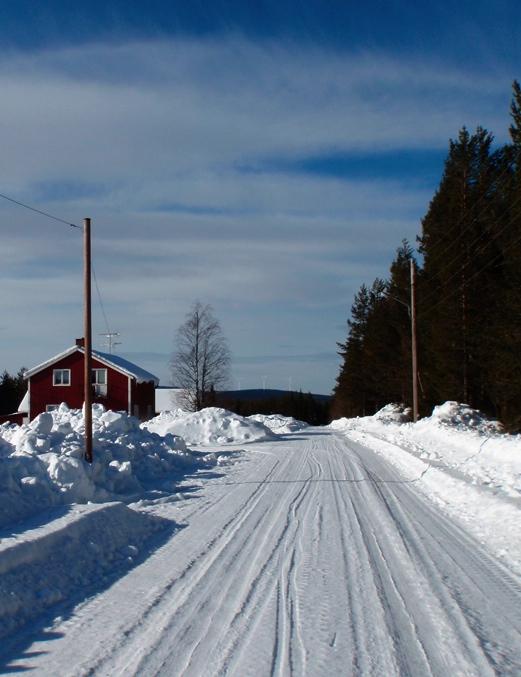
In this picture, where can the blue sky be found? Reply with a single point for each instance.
(267, 158)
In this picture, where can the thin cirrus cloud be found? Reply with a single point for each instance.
(216, 104)
(268, 178)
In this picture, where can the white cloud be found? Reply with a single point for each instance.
(148, 138)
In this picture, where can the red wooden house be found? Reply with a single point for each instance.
(117, 383)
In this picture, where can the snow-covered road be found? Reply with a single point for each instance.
(310, 556)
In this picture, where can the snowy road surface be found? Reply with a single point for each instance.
(309, 556)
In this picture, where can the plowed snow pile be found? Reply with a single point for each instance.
(461, 460)
(279, 424)
(208, 426)
(455, 437)
(41, 464)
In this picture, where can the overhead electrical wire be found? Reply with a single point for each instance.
(478, 272)
(459, 221)
(100, 299)
(72, 225)
(478, 251)
(39, 211)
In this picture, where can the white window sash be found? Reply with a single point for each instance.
(59, 374)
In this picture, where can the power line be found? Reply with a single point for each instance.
(478, 251)
(100, 299)
(454, 291)
(72, 225)
(459, 222)
(39, 211)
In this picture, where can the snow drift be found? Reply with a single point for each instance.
(461, 460)
(60, 561)
(41, 464)
(208, 426)
(279, 424)
(455, 437)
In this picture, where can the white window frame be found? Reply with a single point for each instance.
(55, 373)
(100, 388)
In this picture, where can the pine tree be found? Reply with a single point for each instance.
(515, 113)
(503, 365)
(456, 243)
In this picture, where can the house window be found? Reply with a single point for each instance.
(99, 382)
(52, 407)
(61, 377)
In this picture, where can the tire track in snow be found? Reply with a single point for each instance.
(427, 580)
(266, 586)
(302, 567)
(247, 547)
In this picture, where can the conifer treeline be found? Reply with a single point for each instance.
(12, 390)
(468, 294)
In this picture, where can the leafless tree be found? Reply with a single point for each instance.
(201, 359)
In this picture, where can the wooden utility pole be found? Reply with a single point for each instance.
(87, 373)
(413, 344)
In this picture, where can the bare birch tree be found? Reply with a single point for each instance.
(201, 360)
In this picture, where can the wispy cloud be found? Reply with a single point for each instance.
(269, 179)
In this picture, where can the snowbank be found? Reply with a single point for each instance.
(279, 424)
(41, 464)
(461, 460)
(455, 437)
(59, 561)
(208, 426)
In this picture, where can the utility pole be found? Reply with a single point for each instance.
(87, 324)
(413, 344)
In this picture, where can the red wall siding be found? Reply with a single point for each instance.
(143, 400)
(43, 392)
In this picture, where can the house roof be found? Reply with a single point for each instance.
(115, 361)
(129, 368)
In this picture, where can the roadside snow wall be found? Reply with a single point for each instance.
(41, 464)
(63, 560)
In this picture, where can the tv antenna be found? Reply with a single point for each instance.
(110, 342)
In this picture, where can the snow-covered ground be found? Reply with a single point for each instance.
(363, 548)
(461, 460)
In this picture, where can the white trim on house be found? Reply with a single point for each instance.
(48, 363)
(129, 396)
(100, 381)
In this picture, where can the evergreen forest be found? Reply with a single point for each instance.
(468, 294)
(12, 390)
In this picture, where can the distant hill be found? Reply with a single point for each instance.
(266, 394)
(303, 406)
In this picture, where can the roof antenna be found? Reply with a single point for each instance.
(110, 343)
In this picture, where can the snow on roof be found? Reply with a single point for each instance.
(121, 364)
(114, 361)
